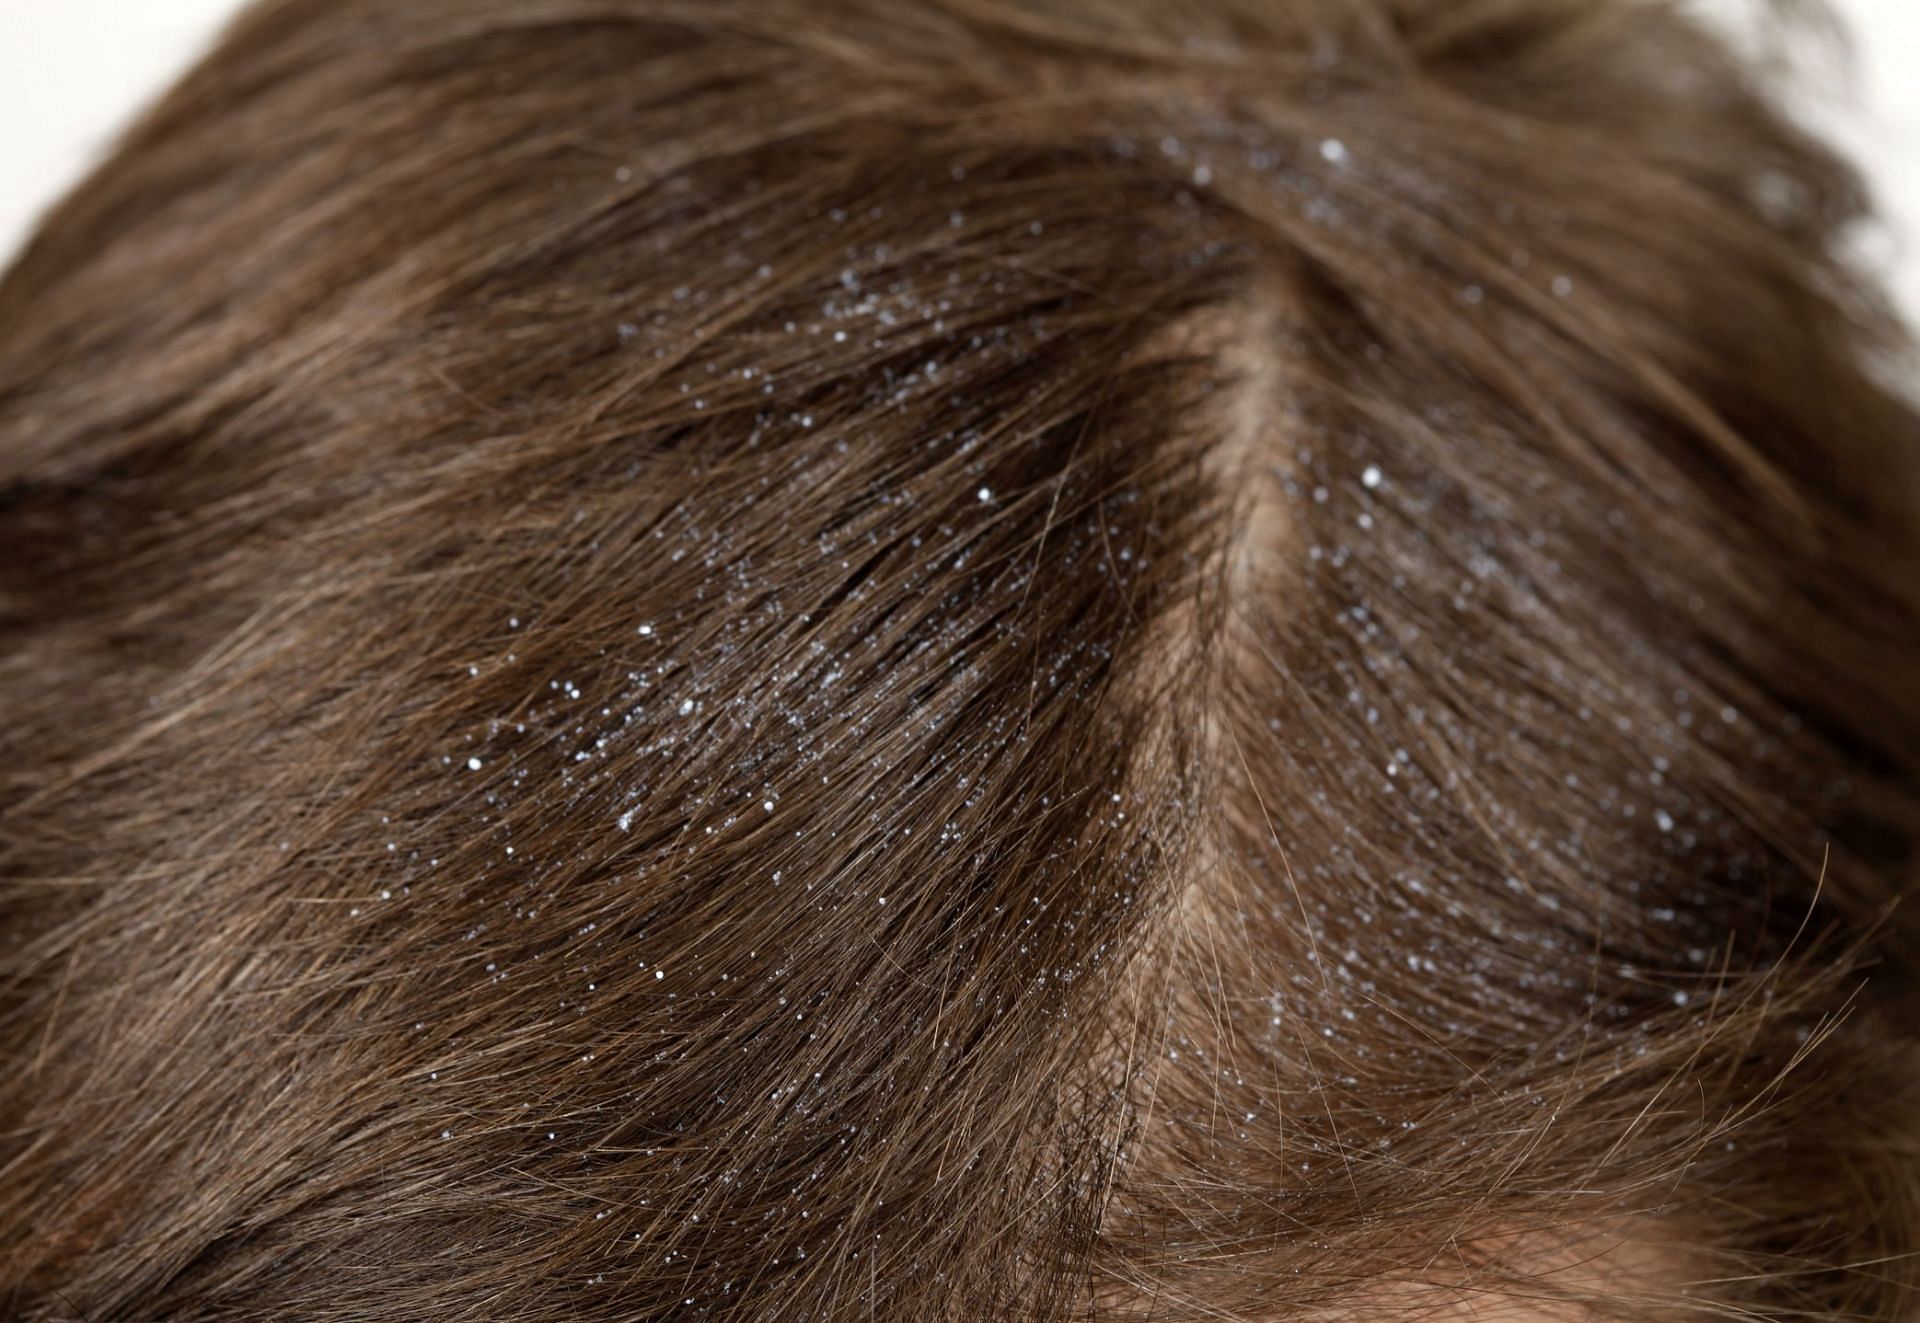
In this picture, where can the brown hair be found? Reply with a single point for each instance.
(1093, 659)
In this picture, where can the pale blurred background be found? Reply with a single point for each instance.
(71, 71)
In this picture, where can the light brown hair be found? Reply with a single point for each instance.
(811, 659)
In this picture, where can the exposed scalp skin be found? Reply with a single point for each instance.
(1088, 660)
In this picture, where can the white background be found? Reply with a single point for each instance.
(71, 71)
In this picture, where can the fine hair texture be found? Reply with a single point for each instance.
(959, 660)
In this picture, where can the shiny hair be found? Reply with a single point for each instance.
(1092, 659)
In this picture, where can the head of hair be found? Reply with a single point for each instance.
(1087, 660)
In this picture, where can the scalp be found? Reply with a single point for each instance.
(794, 661)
